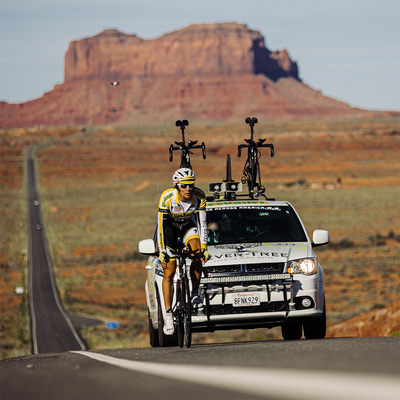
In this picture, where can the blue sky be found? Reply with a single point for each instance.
(348, 49)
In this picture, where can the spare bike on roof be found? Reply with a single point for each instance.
(251, 170)
(185, 148)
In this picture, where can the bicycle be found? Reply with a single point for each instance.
(183, 307)
(182, 311)
(251, 170)
(185, 149)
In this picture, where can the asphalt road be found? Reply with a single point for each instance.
(326, 369)
(51, 328)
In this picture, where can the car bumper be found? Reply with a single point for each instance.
(203, 323)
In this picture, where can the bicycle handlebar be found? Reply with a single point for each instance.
(187, 252)
(190, 145)
(253, 144)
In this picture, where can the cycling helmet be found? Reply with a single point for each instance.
(183, 175)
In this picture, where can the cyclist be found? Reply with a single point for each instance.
(181, 215)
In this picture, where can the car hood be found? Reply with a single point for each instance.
(251, 253)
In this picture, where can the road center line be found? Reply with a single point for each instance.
(294, 384)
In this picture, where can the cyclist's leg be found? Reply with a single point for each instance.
(171, 237)
(196, 267)
(192, 240)
(168, 281)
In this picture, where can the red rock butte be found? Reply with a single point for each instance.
(204, 73)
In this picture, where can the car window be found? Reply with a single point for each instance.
(253, 224)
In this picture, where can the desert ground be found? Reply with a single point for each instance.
(99, 189)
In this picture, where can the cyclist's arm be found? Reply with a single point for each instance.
(162, 218)
(202, 225)
(201, 218)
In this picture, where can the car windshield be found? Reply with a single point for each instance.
(248, 224)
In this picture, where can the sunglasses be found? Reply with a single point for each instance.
(214, 231)
(184, 186)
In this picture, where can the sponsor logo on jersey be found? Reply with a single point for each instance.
(166, 198)
(176, 208)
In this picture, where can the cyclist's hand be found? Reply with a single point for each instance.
(205, 255)
(163, 257)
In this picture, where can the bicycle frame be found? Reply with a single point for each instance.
(185, 149)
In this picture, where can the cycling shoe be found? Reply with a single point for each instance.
(169, 324)
(196, 302)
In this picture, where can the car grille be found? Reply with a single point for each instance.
(234, 269)
(223, 269)
(266, 267)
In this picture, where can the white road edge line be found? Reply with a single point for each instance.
(28, 155)
(294, 384)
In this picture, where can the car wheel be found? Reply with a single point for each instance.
(292, 330)
(316, 329)
(153, 333)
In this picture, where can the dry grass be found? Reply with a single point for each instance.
(100, 192)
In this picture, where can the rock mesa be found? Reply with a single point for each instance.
(204, 73)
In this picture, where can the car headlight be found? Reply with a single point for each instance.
(305, 266)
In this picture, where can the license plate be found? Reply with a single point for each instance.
(246, 299)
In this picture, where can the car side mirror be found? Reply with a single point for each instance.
(320, 237)
(147, 247)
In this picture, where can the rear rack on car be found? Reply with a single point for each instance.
(215, 285)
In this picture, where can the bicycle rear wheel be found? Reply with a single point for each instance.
(187, 314)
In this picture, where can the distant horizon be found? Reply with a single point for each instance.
(348, 52)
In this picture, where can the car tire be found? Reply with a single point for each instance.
(316, 329)
(292, 330)
(153, 333)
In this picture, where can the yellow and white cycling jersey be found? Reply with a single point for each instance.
(181, 215)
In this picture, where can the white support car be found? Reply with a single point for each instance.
(263, 272)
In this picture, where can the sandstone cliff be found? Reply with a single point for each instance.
(198, 50)
(206, 72)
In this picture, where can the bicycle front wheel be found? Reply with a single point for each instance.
(187, 314)
(180, 312)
